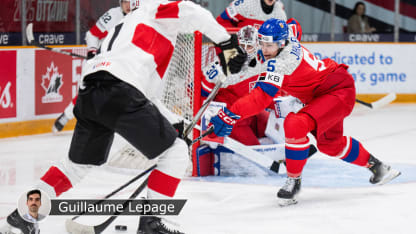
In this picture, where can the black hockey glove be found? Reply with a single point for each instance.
(236, 63)
(228, 50)
(180, 128)
(91, 53)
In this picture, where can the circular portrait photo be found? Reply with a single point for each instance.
(34, 205)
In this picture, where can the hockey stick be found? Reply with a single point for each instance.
(245, 151)
(74, 227)
(251, 154)
(31, 40)
(120, 188)
(209, 131)
(205, 105)
(379, 103)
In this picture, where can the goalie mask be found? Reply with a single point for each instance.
(247, 38)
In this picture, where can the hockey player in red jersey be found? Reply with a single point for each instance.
(237, 85)
(251, 12)
(117, 85)
(328, 92)
(94, 37)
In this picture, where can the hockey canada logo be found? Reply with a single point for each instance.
(52, 83)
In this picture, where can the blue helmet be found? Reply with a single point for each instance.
(274, 30)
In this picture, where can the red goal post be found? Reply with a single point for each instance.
(181, 92)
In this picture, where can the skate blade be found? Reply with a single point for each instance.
(286, 202)
(389, 177)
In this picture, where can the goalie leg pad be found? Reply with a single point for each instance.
(205, 161)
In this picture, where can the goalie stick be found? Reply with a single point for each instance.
(379, 103)
(205, 105)
(31, 39)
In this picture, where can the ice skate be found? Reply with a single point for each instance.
(18, 225)
(287, 194)
(382, 173)
(154, 225)
(60, 123)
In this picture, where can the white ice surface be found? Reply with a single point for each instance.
(336, 197)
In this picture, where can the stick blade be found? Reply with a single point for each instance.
(29, 33)
(74, 227)
(384, 101)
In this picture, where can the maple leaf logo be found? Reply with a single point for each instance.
(51, 83)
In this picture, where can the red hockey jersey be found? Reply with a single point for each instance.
(296, 71)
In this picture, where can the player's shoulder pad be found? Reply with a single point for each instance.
(289, 58)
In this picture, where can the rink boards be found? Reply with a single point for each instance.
(37, 84)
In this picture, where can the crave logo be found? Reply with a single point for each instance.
(8, 84)
(53, 82)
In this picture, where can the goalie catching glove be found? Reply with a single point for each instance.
(223, 123)
(231, 55)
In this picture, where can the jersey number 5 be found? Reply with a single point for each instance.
(315, 63)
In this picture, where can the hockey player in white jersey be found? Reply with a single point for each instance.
(103, 25)
(251, 12)
(93, 38)
(114, 98)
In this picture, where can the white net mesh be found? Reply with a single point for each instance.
(177, 94)
(178, 83)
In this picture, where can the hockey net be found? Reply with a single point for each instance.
(180, 93)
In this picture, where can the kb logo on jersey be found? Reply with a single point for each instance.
(273, 77)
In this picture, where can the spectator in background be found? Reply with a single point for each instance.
(358, 22)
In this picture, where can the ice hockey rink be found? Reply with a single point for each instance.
(335, 198)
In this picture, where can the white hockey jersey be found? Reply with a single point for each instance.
(138, 50)
(100, 29)
(249, 12)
